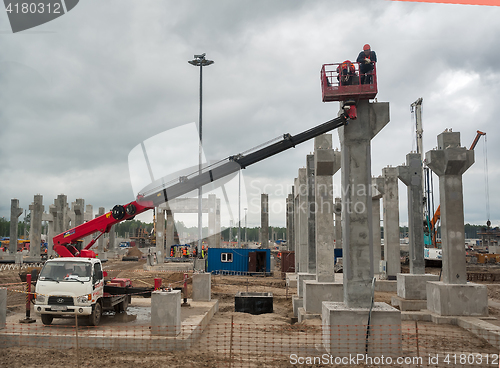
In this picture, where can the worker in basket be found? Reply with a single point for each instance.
(345, 73)
(366, 59)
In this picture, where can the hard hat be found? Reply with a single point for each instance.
(366, 47)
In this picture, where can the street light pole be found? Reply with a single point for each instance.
(199, 60)
(246, 239)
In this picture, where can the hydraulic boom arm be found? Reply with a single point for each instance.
(63, 243)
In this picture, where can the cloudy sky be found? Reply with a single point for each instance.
(77, 94)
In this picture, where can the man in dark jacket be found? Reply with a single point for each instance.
(366, 59)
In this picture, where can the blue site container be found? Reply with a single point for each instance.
(238, 261)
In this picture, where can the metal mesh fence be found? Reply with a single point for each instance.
(245, 345)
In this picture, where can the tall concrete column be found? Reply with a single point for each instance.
(264, 220)
(36, 209)
(411, 175)
(357, 228)
(296, 228)
(212, 209)
(87, 216)
(169, 231)
(100, 241)
(378, 191)
(391, 222)
(217, 223)
(290, 222)
(325, 167)
(338, 223)
(60, 204)
(15, 212)
(302, 217)
(449, 162)
(79, 211)
(160, 235)
(112, 238)
(453, 295)
(50, 217)
(311, 215)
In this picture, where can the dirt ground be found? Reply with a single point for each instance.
(224, 289)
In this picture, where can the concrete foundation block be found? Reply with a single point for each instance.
(301, 277)
(344, 330)
(303, 315)
(296, 304)
(199, 264)
(291, 279)
(166, 313)
(408, 304)
(315, 293)
(202, 286)
(3, 307)
(387, 286)
(413, 286)
(457, 299)
(19, 258)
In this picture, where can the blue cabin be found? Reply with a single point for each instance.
(238, 261)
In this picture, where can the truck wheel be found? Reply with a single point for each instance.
(47, 319)
(122, 306)
(95, 317)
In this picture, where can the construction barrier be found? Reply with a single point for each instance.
(246, 345)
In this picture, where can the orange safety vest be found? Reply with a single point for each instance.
(184, 252)
(171, 252)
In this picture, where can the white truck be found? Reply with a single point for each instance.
(72, 286)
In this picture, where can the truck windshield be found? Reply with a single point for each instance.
(66, 271)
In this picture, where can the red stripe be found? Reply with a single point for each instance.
(462, 2)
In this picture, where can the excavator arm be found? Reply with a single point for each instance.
(64, 242)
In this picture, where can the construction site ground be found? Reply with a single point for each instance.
(224, 288)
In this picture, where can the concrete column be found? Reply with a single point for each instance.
(264, 220)
(100, 241)
(169, 231)
(325, 166)
(212, 208)
(50, 218)
(87, 216)
(3, 307)
(391, 222)
(296, 228)
(290, 222)
(160, 235)
(202, 284)
(357, 228)
(378, 191)
(453, 296)
(449, 162)
(302, 220)
(79, 211)
(112, 239)
(15, 212)
(166, 313)
(411, 175)
(338, 223)
(217, 223)
(60, 204)
(36, 209)
(311, 215)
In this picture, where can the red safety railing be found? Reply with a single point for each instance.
(333, 90)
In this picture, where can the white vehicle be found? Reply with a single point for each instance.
(73, 285)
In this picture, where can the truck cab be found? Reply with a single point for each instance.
(73, 286)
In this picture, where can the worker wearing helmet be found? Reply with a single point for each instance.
(366, 59)
(345, 72)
